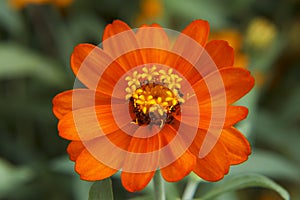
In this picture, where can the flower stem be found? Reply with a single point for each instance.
(159, 189)
(190, 189)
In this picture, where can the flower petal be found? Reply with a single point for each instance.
(221, 53)
(236, 82)
(198, 30)
(74, 149)
(88, 62)
(118, 40)
(215, 164)
(235, 114)
(142, 153)
(236, 144)
(179, 168)
(189, 48)
(136, 181)
(70, 100)
(92, 169)
(88, 123)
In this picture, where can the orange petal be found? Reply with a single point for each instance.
(84, 124)
(118, 41)
(88, 63)
(221, 53)
(236, 82)
(235, 114)
(70, 100)
(136, 181)
(215, 164)
(180, 168)
(236, 144)
(175, 160)
(198, 30)
(189, 47)
(74, 149)
(153, 38)
(143, 152)
(91, 169)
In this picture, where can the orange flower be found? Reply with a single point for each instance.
(19, 4)
(151, 105)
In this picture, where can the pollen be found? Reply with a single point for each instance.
(154, 94)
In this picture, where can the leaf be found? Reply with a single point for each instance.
(245, 181)
(18, 61)
(101, 190)
(269, 164)
(195, 9)
(13, 177)
(12, 21)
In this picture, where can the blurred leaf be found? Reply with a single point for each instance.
(11, 20)
(291, 109)
(12, 177)
(270, 164)
(195, 9)
(277, 133)
(17, 61)
(62, 165)
(101, 190)
(86, 26)
(245, 181)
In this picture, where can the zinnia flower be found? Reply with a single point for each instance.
(151, 105)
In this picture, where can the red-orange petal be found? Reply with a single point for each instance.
(91, 169)
(143, 153)
(236, 144)
(221, 53)
(152, 38)
(136, 181)
(198, 30)
(235, 114)
(85, 123)
(215, 164)
(74, 149)
(189, 47)
(88, 63)
(179, 168)
(118, 40)
(70, 100)
(236, 82)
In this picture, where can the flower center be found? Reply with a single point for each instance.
(154, 96)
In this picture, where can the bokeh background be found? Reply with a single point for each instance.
(37, 39)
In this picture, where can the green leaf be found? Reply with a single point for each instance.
(13, 177)
(245, 181)
(195, 9)
(101, 190)
(18, 61)
(270, 164)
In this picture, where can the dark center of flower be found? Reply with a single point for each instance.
(154, 96)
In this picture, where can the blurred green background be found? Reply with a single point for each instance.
(37, 39)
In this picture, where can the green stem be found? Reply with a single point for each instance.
(190, 189)
(159, 189)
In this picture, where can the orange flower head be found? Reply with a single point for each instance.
(151, 105)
